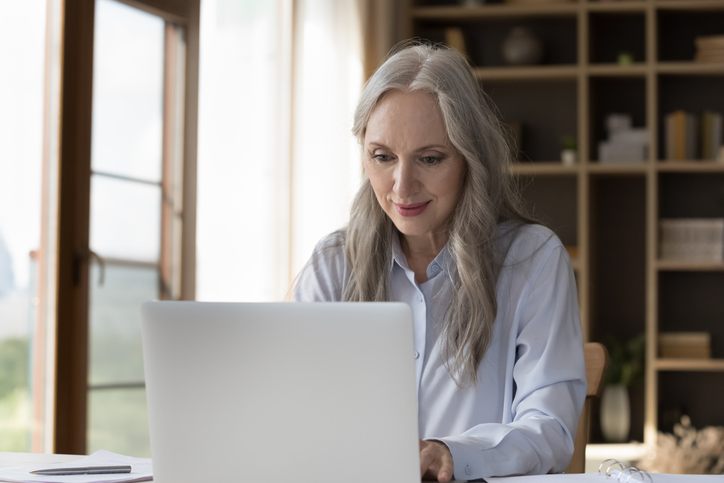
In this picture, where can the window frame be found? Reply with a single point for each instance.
(71, 343)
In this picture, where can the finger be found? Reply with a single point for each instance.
(426, 459)
(446, 469)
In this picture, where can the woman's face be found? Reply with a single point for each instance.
(415, 172)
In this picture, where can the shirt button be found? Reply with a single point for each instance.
(468, 470)
(417, 355)
(435, 268)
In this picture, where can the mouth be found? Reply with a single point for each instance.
(411, 210)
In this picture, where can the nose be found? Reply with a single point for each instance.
(406, 180)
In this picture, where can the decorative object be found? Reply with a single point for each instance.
(687, 451)
(624, 143)
(615, 413)
(569, 150)
(521, 47)
(626, 367)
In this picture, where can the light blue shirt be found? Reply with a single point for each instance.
(521, 418)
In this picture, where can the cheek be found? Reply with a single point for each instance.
(378, 180)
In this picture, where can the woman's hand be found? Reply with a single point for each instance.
(436, 462)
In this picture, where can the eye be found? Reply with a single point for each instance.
(382, 158)
(430, 160)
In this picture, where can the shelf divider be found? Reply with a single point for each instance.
(699, 365)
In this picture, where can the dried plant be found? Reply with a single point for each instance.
(687, 451)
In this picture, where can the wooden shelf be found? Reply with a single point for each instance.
(534, 73)
(708, 365)
(617, 168)
(690, 68)
(638, 69)
(688, 5)
(610, 211)
(684, 266)
(690, 167)
(493, 10)
(544, 168)
(616, 6)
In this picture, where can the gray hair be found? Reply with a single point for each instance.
(488, 197)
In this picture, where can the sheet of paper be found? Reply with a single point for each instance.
(141, 470)
(615, 477)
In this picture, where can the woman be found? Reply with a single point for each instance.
(437, 224)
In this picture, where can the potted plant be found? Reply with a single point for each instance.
(569, 150)
(626, 367)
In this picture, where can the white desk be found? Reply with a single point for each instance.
(17, 459)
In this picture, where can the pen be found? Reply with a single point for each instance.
(84, 470)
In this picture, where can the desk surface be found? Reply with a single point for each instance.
(17, 459)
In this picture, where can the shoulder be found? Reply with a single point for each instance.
(322, 278)
(522, 241)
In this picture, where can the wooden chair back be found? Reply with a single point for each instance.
(596, 357)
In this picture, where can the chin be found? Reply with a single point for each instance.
(410, 229)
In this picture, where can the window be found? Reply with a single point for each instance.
(28, 218)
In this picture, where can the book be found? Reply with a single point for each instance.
(710, 42)
(679, 135)
(454, 38)
(717, 136)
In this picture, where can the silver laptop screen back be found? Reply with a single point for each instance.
(309, 392)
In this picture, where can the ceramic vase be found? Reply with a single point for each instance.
(521, 47)
(615, 413)
(569, 157)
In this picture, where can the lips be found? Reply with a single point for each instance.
(411, 210)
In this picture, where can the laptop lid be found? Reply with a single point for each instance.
(303, 391)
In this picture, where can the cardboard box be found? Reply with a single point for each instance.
(685, 345)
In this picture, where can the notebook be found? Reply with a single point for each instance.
(309, 392)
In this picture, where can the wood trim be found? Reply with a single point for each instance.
(188, 244)
(651, 382)
(174, 11)
(74, 211)
(168, 162)
(460, 13)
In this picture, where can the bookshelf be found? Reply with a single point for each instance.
(610, 211)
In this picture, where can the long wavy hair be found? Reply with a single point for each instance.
(489, 197)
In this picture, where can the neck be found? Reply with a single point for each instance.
(422, 250)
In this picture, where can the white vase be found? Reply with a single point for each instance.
(568, 157)
(615, 413)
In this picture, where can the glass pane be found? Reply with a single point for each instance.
(118, 422)
(236, 39)
(115, 322)
(125, 219)
(23, 37)
(127, 91)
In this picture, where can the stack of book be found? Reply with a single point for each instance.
(689, 136)
(710, 49)
(692, 239)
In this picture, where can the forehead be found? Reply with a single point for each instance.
(406, 118)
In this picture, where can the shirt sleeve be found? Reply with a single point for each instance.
(322, 278)
(550, 385)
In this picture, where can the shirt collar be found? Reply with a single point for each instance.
(443, 259)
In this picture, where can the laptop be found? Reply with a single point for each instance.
(321, 392)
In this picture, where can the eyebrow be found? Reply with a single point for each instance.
(423, 148)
